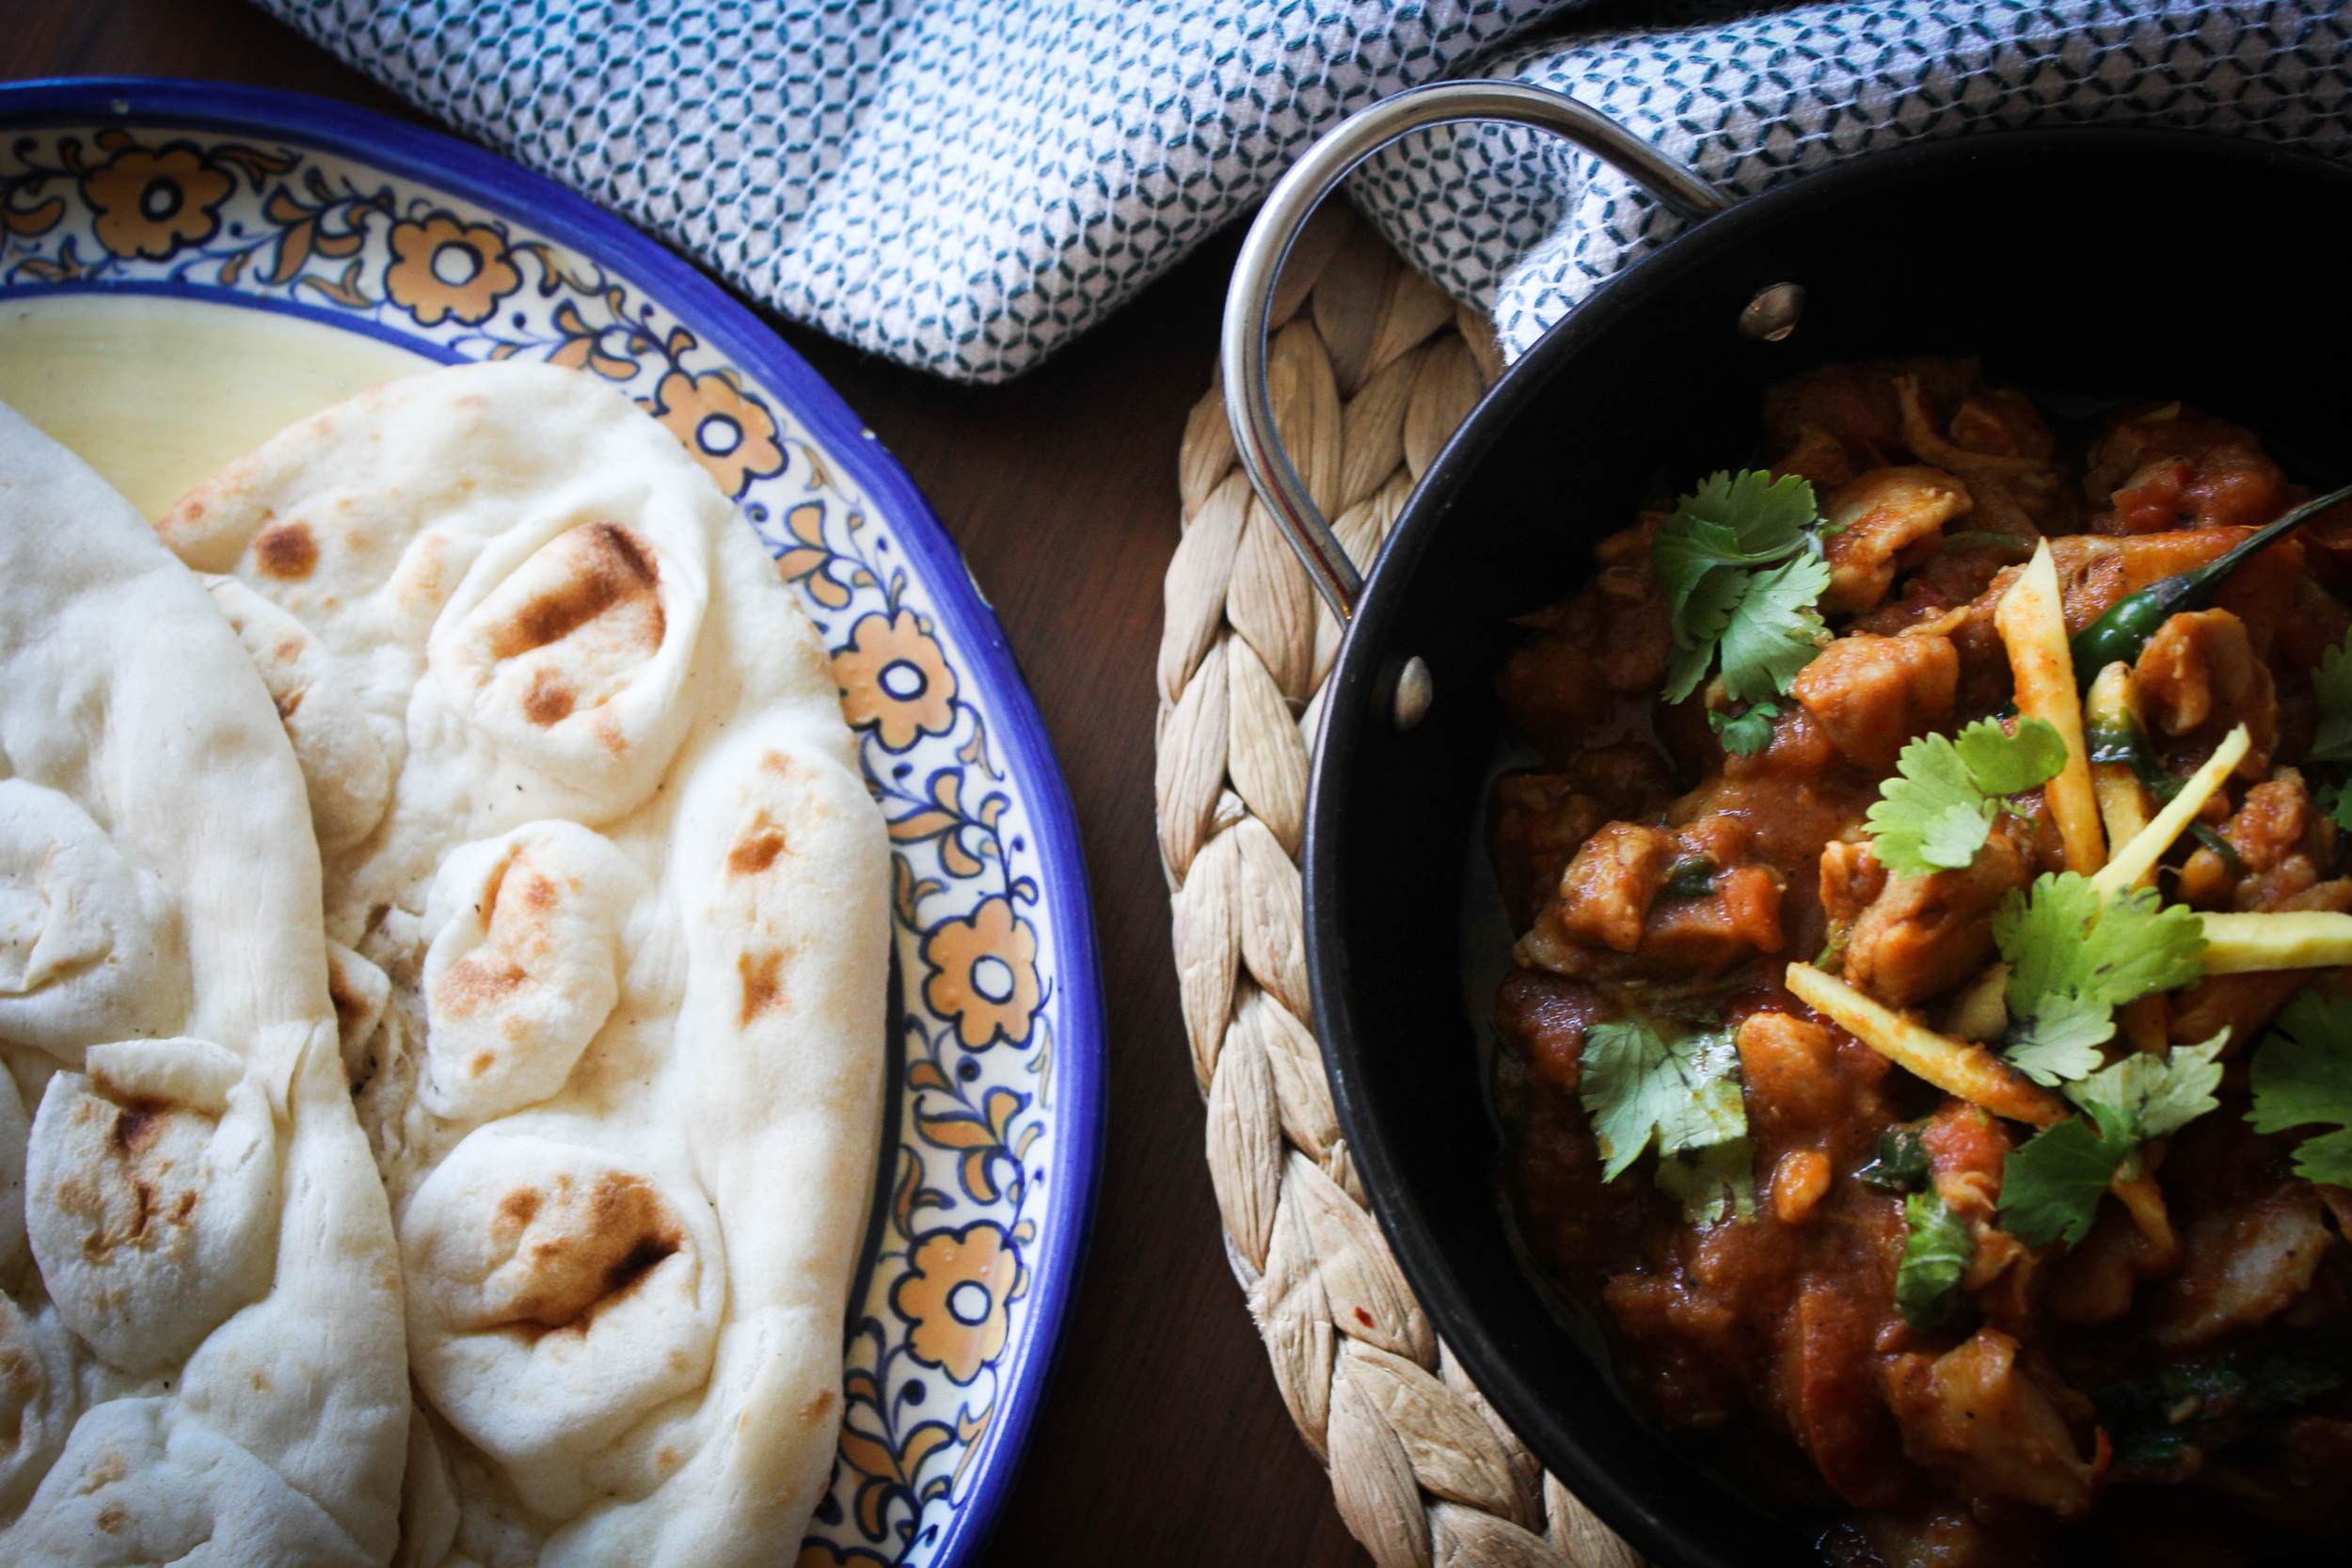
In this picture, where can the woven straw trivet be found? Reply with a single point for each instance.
(1371, 368)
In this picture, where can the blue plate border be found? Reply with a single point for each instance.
(734, 330)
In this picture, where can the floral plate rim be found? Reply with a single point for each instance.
(965, 620)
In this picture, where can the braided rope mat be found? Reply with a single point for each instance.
(1371, 368)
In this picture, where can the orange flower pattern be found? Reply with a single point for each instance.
(728, 432)
(894, 677)
(984, 975)
(820, 1554)
(443, 266)
(955, 1292)
(152, 203)
(946, 1302)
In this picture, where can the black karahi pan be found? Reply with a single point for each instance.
(2095, 262)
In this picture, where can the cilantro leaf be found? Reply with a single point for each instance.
(1775, 631)
(2338, 803)
(2331, 683)
(2060, 1044)
(2000, 762)
(1707, 557)
(1751, 731)
(2050, 1187)
(1684, 1096)
(1766, 516)
(2074, 954)
(2302, 1077)
(2157, 1096)
(1687, 550)
(1936, 1252)
(1712, 1184)
(1936, 813)
(1699, 624)
(1929, 815)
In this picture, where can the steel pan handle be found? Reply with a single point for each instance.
(1250, 298)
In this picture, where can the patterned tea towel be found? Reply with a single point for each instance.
(965, 184)
(1526, 225)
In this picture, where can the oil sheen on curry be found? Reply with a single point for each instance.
(1929, 1044)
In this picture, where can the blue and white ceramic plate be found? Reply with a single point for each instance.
(185, 268)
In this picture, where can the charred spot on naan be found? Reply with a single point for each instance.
(569, 655)
(151, 1196)
(286, 550)
(557, 1293)
(611, 570)
(756, 848)
(525, 968)
(583, 1251)
(763, 984)
(592, 605)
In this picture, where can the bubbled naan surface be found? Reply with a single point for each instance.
(201, 1324)
(627, 896)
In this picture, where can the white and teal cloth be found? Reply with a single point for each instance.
(964, 185)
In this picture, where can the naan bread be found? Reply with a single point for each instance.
(590, 808)
(200, 1331)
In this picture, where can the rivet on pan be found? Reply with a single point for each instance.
(1774, 311)
(1414, 691)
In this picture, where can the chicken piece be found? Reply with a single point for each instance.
(1855, 404)
(2094, 1281)
(1967, 1148)
(1554, 694)
(1873, 694)
(2199, 678)
(1978, 1416)
(1703, 936)
(1605, 892)
(1789, 800)
(2004, 422)
(2242, 1264)
(1852, 876)
(1998, 451)
(1919, 935)
(1881, 514)
(1611, 637)
(2173, 468)
(1621, 619)
(1789, 1068)
(1819, 457)
(1610, 921)
(1541, 819)
(1629, 777)
(2283, 842)
(1826, 1373)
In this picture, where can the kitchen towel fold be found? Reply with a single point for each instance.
(964, 185)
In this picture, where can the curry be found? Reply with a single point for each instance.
(1929, 1045)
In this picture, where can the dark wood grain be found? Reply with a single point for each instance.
(1162, 1441)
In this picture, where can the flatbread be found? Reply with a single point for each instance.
(589, 805)
(201, 1353)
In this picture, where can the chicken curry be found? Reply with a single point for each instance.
(1928, 1042)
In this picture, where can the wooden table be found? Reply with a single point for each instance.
(1162, 1440)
